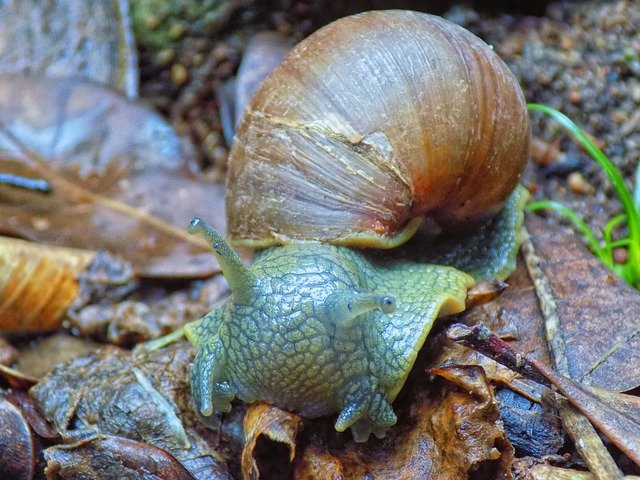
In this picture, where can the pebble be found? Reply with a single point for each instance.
(179, 74)
(577, 184)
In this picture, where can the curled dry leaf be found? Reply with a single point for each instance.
(108, 456)
(16, 379)
(473, 425)
(121, 180)
(599, 313)
(268, 422)
(143, 397)
(532, 428)
(37, 283)
(50, 38)
(16, 444)
(615, 414)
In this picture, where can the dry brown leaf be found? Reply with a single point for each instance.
(599, 313)
(37, 283)
(263, 420)
(107, 456)
(143, 397)
(548, 472)
(16, 379)
(39, 357)
(615, 414)
(121, 180)
(467, 426)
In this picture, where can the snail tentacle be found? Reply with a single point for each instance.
(241, 282)
(343, 308)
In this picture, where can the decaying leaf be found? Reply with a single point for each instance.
(531, 428)
(143, 397)
(107, 456)
(548, 472)
(121, 180)
(51, 38)
(469, 419)
(614, 414)
(37, 283)
(25, 403)
(17, 459)
(263, 421)
(599, 313)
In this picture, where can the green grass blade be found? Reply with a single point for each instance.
(579, 223)
(614, 175)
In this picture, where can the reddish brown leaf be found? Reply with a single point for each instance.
(263, 420)
(599, 313)
(27, 406)
(120, 180)
(112, 457)
(16, 444)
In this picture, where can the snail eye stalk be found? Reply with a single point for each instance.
(241, 281)
(344, 308)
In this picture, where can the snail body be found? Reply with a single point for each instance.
(314, 325)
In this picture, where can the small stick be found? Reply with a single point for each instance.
(597, 457)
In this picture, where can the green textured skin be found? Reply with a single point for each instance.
(281, 347)
(280, 344)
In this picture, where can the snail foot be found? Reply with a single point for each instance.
(211, 392)
(366, 414)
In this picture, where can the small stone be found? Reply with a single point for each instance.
(179, 74)
(176, 31)
(166, 56)
(577, 184)
(620, 255)
(544, 153)
(575, 97)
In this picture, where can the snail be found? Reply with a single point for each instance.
(372, 126)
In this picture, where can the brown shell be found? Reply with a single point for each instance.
(372, 121)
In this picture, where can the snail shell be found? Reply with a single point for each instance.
(369, 125)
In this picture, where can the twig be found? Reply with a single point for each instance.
(596, 455)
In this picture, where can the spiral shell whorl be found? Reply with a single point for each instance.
(373, 120)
